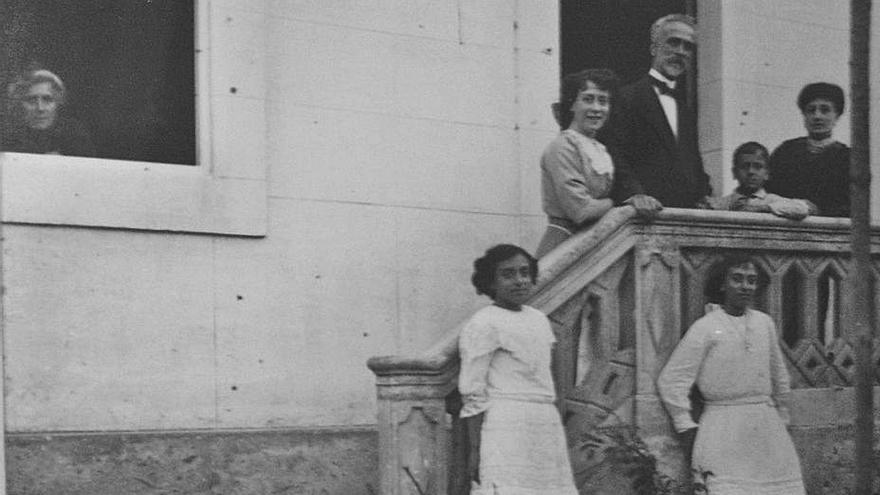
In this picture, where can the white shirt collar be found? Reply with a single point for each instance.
(760, 193)
(655, 73)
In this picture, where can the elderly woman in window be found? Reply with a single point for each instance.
(37, 123)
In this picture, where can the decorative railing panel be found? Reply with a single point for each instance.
(619, 297)
(804, 293)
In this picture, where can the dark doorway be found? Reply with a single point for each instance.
(612, 33)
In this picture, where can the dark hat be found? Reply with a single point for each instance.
(823, 90)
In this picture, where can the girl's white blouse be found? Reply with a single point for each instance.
(730, 359)
(505, 354)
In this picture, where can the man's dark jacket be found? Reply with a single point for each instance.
(651, 161)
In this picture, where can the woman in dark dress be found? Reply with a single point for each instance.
(815, 167)
(37, 124)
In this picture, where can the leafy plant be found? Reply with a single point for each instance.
(617, 455)
(700, 479)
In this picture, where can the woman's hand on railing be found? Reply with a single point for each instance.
(705, 203)
(646, 206)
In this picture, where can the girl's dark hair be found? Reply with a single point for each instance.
(823, 90)
(484, 267)
(714, 290)
(573, 84)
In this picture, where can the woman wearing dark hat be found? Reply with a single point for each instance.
(37, 124)
(815, 167)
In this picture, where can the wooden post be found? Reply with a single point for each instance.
(860, 197)
(2, 351)
(2, 320)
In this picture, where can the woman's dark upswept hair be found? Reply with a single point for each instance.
(573, 84)
(484, 267)
(823, 90)
(714, 290)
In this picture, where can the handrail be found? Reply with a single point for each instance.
(639, 280)
(444, 353)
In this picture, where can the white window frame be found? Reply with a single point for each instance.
(226, 193)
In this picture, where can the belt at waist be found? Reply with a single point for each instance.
(741, 401)
(539, 398)
(563, 222)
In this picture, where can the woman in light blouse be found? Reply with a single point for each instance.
(578, 183)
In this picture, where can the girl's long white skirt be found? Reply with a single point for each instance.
(747, 450)
(523, 451)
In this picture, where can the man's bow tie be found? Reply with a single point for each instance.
(663, 87)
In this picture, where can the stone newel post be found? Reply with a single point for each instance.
(415, 429)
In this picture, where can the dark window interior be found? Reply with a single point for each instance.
(128, 67)
(615, 34)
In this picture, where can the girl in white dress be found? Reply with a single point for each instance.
(732, 354)
(506, 385)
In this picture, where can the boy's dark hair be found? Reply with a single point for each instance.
(823, 90)
(748, 149)
(484, 267)
(573, 84)
(714, 290)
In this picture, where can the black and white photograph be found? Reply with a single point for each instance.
(439, 247)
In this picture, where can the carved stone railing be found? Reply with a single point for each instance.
(619, 297)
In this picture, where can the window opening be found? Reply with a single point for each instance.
(127, 66)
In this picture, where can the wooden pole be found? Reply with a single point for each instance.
(860, 197)
(2, 350)
(5, 65)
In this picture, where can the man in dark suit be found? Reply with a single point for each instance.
(654, 131)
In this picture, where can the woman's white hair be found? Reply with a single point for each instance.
(23, 83)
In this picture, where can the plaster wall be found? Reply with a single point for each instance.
(397, 139)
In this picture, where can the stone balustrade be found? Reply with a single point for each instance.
(619, 296)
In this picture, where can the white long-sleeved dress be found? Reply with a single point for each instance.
(505, 372)
(742, 441)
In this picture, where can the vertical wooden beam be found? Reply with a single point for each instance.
(860, 196)
(2, 352)
(4, 69)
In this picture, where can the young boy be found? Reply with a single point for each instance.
(751, 171)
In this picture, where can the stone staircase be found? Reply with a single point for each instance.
(619, 296)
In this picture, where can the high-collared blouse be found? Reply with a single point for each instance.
(731, 359)
(575, 170)
(505, 355)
